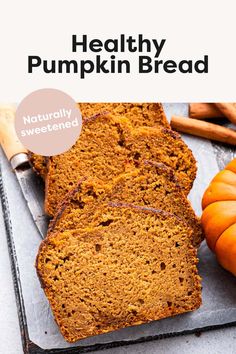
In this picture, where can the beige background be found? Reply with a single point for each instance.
(191, 28)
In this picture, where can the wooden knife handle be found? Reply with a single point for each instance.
(8, 138)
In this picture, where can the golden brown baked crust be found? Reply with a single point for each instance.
(136, 266)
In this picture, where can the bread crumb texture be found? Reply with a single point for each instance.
(149, 184)
(137, 265)
(106, 146)
(139, 114)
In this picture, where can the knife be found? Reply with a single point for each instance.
(31, 185)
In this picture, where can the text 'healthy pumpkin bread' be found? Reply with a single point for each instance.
(105, 146)
(139, 114)
(136, 266)
(149, 184)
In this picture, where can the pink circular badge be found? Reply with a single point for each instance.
(48, 122)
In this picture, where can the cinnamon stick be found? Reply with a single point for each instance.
(203, 129)
(204, 110)
(228, 110)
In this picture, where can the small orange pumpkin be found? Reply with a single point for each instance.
(219, 216)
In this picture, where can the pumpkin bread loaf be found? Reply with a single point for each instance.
(105, 147)
(136, 265)
(148, 184)
(139, 114)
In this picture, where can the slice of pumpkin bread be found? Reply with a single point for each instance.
(105, 146)
(139, 114)
(148, 184)
(136, 266)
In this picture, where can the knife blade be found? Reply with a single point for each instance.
(31, 185)
(32, 188)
